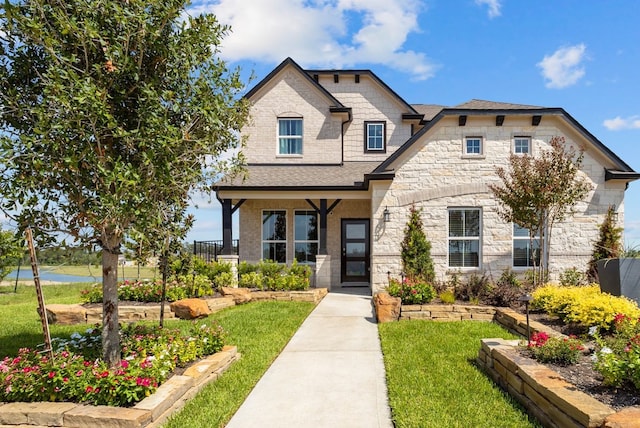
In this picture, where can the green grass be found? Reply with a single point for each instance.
(20, 325)
(433, 381)
(260, 330)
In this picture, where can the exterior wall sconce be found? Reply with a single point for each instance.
(386, 215)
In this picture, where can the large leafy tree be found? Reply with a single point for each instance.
(112, 112)
(11, 251)
(539, 191)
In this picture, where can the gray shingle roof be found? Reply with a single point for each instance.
(493, 105)
(429, 110)
(270, 175)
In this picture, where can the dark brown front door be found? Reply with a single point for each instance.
(355, 250)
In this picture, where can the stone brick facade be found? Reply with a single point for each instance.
(423, 163)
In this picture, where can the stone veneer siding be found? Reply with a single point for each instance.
(437, 176)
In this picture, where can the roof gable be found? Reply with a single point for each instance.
(484, 108)
(290, 63)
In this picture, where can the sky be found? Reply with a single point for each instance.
(581, 55)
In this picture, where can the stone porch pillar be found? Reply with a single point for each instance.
(233, 260)
(323, 271)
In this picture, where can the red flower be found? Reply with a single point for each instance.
(51, 375)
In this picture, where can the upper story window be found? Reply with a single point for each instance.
(289, 136)
(473, 146)
(464, 237)
(522, 145)
(375, 137)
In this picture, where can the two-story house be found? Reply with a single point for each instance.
(335, 159)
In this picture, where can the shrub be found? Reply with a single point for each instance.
(411, 292)
(245, 267)
(562, 351)
(447, 296)
(618, 359)
(416, 249)
(573, 277)
(506, 292)
(141, 291)
(586, 306)
(224, 279)
(251, 280)
(473, 289)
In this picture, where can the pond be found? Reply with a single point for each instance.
(26, 274)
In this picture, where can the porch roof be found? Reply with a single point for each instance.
(300, 176)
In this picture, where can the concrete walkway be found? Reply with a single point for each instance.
(331, 373)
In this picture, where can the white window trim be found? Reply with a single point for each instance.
(522, 137)
(273, 241)
(305, 241)
(295, 137)
(368, 149)
(466, 154)
(465, 238)
(520, 238)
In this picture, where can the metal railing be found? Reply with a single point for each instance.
(210, 250)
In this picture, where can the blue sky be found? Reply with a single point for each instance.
(581, 55)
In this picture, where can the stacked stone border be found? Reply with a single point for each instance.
(150, 412)
(79, 314)
(543, 392)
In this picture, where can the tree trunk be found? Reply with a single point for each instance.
(110, 327)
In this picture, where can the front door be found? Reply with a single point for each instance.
(355, 250)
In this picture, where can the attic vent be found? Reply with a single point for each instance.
(336, 78)
(315, 77)
(462, 120)
(499, 120)
(357, 78)
(535, 120)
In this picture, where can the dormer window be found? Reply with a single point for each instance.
(375, 138)
(289, 136)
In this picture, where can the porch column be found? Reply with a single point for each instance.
(227, 235)
(227, 244)
(323, 227)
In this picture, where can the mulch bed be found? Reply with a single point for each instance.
(582, 375)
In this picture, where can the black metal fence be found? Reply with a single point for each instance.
(210, 250)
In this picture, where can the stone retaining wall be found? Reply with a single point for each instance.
(150, 412)
(79, 314)
(544, 393)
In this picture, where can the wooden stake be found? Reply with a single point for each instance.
(41, 307)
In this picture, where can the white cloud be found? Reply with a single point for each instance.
(618, 123)
(321, 33)
(563, 68)
(494, 7)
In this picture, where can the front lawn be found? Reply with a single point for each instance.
(433, 381)
(260, 330)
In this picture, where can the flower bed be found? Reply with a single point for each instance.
(75, 372)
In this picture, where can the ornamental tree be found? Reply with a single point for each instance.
(608, 245)
(416, 249)
(537, 192)
(111, 113)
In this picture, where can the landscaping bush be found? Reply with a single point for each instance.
(618, 357)
(447, 297)
(144, 291)
(557, 350)
(269, 275)
(473, 290)
(573, 277)
(585, 306)
(506, 292)
(149, 355)
(411, 291)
